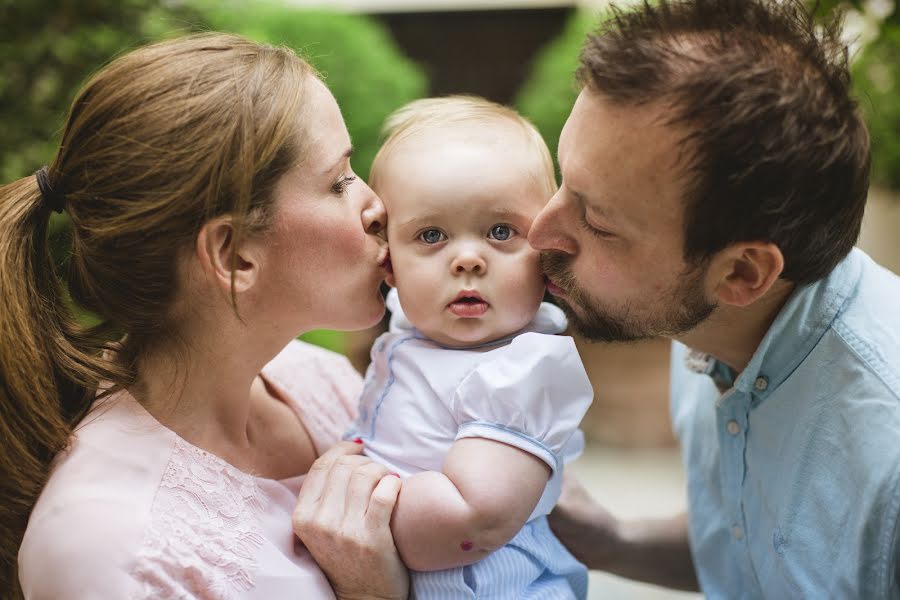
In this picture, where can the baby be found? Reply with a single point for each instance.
(471, 396)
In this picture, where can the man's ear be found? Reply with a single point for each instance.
(215, 244)
(745, 271)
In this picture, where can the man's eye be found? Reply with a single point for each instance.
(432, 236)
(500, 232)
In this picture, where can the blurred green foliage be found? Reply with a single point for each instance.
(49, 48)
(548, 94)
(361, 64)
(876, 75)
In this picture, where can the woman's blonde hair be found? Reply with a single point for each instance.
(453, 113)
(156, 143)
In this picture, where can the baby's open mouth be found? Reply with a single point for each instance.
(468, 304)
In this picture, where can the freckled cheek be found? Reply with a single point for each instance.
(348, 240)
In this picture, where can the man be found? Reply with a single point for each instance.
(715, 172)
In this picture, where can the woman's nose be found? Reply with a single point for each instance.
(374, 215)
(548, 230)
(469, 261)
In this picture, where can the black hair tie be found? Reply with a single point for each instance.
(54, 200)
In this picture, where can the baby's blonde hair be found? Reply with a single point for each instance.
(451, 113)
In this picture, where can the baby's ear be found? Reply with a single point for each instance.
(389, 279)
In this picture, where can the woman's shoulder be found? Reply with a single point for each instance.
(301, 359)
(82, 548)
(322, 387)
(88, 524)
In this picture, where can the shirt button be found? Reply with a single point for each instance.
(733, 427)
(737, 532)
(761, 383)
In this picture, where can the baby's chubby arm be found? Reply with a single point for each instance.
(481, 499)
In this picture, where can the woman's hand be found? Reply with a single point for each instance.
(343, 517)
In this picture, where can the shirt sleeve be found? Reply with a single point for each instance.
(530, 394)
(82, 550)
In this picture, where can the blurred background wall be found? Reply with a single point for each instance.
(376, 55)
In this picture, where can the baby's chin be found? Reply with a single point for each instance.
(460, 338)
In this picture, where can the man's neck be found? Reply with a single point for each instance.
(732, 334)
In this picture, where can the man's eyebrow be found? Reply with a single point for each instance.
(346, 155)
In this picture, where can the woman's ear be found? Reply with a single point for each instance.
(220, 259)
(746, 271)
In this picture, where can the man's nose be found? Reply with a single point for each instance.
(548, 230)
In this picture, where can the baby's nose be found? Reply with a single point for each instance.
(469, 262)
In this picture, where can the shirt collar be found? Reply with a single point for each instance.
(801, 323)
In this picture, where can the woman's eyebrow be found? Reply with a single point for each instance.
(346, 155)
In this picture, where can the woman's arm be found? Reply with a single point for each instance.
(483, 497)
(343, 517)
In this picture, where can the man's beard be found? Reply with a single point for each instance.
(681, 308)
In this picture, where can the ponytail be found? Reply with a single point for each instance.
(46, 382)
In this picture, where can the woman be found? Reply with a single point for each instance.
(215, 217)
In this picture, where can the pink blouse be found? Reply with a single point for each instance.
(131, 510)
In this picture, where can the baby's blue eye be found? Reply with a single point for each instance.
(432, 236)
(501, 232)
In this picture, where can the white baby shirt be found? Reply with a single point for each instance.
(528, 390)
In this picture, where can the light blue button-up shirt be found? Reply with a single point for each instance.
(794, 471)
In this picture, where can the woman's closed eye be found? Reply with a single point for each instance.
(431, 236)
(340, 186)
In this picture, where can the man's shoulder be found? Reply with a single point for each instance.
(868, 325)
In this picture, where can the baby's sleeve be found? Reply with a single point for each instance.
(531, 394)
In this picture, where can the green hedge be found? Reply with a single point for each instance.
(357, 57)
(876, 76)
(548, 94)
(48, 48)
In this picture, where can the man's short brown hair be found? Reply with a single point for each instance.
(777, 150)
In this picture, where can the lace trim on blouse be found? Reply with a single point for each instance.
(204, 529)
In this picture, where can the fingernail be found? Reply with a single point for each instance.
(357, 440)
(396, 474)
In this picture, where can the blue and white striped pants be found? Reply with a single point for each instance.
(534, 565)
